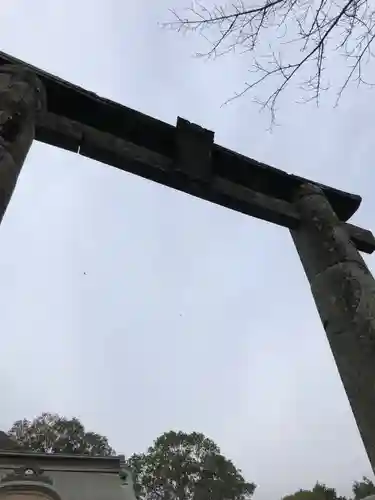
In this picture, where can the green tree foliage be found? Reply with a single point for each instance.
(51, 433)
(182, 466)
(325, 493)
(178, 466)
(364, 488)
(319, 492)
(302, 495)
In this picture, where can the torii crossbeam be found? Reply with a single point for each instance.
(37, 105)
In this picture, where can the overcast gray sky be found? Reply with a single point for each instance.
(189, 316)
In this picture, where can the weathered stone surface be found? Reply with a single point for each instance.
(28, 481)
(344, 293)
(59, 131)
(21, 99)
(70, 477)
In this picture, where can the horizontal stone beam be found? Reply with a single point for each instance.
(122, 154)
(282, 213)
(192, 146)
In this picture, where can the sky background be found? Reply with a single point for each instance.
(140, 309)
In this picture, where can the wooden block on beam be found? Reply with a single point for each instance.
(193, 150)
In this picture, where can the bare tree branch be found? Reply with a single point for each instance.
(305, 37)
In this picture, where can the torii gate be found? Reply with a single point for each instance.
(37, 105)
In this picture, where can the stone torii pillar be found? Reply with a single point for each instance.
(344, 292)
(22, 97)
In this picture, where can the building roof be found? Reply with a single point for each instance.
(67, 477)
(12, 451)
(59, 461)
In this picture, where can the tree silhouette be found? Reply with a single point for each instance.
(288, 41)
